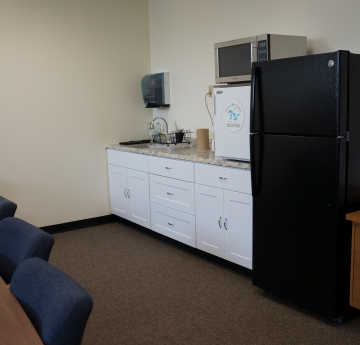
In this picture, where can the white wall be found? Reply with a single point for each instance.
(70, 73)
(183, 33)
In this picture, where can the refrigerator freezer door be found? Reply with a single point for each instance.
(301, 96)
(298, 206)
(232, 122)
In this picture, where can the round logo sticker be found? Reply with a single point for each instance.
(233, 115)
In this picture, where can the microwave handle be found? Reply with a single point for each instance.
(253, 52)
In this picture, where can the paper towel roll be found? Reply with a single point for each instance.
(202, 138)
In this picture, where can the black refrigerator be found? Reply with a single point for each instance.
(305, 170)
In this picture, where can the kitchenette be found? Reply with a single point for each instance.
(271, 192)
(176, 185)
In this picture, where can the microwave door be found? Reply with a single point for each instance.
(233, 60)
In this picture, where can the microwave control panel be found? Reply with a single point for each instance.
(262, 51)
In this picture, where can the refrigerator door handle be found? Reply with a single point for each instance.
(256, 123)
(256, 158)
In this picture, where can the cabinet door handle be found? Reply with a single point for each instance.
(225, 223)
(222, 178)
(168, 168)
(128, 193)
(220, 223)
(125, 193)
(170, 224)
(169, 193)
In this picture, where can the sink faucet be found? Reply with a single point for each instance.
(167, 128)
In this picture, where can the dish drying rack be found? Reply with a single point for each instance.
(173, 138)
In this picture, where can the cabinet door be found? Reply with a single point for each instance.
(238, 228)
(209, 219)
(119, 200)
(138, 186)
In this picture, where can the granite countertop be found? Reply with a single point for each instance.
(187, 152)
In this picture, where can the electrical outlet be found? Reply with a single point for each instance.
(211, 89)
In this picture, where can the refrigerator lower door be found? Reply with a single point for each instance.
(232, 122)
(298, 239)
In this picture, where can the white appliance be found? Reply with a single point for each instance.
(232, 121)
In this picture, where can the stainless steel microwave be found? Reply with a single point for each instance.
(233, 59)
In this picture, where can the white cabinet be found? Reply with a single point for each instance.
(173, 168)
(138, 196)
(174, 224)
(205, 206)
(172, 199)
(238, 228)
(224, 212)
(237, 180)
(129, 160)
(175, 194)
(210, 236)
(119, 201)
(129, 188)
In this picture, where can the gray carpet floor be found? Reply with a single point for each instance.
(147, 291)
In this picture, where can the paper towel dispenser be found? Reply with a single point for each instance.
(156, 90)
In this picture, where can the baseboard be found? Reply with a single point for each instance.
(80, 224)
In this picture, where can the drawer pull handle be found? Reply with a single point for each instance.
(167, 168)
(225, 224)
(222, 178)
(170, 193)
(220, 223)
(171, 224)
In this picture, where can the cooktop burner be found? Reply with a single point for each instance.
(134, 142)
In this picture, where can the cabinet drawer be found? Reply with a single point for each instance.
(238, 180)
(175, 194)
(174, 224)
(130, 160)
(173, 168)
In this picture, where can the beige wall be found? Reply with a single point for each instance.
(70, 73)
(183, 33)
